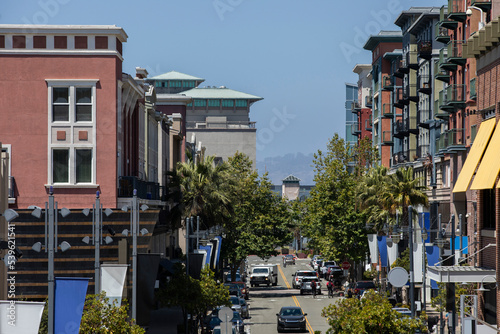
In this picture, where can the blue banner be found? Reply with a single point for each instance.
(432, 260)
(219, 243)
(208, 249)
(69, 301)
(465, 244)
(382, 250)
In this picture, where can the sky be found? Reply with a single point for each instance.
(297, 55)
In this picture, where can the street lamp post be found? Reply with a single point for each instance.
(51, 245)
(412, 275)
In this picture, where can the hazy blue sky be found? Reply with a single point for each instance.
(297, 55)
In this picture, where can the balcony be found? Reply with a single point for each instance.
(454, 52)
(411, 124)
(399, 128)
(399, 101)
(472, 89)
(387, 110)
(456, 10)
(387, 138)
(355, 107)
(398, 158)
(443, 102)
(455, 142)
(424, 118)
(483, 4)
(145, 190)
(438, 113)
(368, 123)
(412, 59)
(441, 34)
(455, 96)
(425, 49)
(369, 99)
(395, 68)
(221, 125)
(388, 82)
(424, 84)
(355, 129)
(410, 92)
(444, 21)
(441, 74)
(443, 61)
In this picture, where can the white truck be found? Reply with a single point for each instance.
(264, 274)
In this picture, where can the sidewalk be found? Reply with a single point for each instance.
(165, 321)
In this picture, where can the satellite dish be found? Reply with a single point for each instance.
(398, 277)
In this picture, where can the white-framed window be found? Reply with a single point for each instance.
(72, 133)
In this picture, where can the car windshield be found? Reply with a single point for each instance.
(291, 312)
(260, 270)
(235, 300)
(309, 273)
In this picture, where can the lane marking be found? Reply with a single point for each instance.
(295, 300)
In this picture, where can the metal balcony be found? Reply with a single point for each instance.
(424, 84)
(444, 21)
(454, 52)
(387, 110)
(412, 59)
(369, 99)
(355, 107)
(455, 96)
(395, 68)
(410, 92)
(145, 189)
(456, 10)
(424, 118)
(443, 102)
(483, 4)
(411, 124)
(398, 98)
(387, 138)
(368, 123)
(455, 142)
(388, 82)
(441, 74)
(425, 49)
(399, 128)
(441, 34)
(443, 61)
(438, 113)
(355, 129)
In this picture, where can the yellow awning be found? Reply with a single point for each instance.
(476, 152)
(490, 164)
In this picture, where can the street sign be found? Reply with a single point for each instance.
(346, 265)
(226, 315)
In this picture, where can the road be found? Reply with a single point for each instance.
(265, 302)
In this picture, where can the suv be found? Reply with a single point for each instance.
(299, 274)
(357, 288)
(289, 259)
(305, 286)
(324, 267)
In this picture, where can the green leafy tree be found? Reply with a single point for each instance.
(101, 317)
(333, 224)
(260, 220)
(371, 315)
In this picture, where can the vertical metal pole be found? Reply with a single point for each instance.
(50, 248)
(440, 235)
(197, 232)
(97, 242)
(412, 276)
(452, 285)
(134, 255)
(460, 235)
(187, 261)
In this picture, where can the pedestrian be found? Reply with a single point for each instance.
(329, 285)
(313, 288)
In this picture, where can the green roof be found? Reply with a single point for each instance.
(173, 75)
(383, 37)
(291, 178)
(219, 93)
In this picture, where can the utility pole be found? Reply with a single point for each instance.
(412, 275)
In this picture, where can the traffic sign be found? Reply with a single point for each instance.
(346, 265)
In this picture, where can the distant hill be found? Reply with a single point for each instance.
(279, 167)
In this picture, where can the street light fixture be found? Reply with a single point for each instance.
(50, 246)
(469, 13)
(482, 288)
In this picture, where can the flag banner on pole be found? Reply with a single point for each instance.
(217, 254)
(147, 270)
(113, 280)
(432, 260)
(19, 317)
(208, 249)
(69, 301)
(382, 249)
(392, 252)
(372, 244)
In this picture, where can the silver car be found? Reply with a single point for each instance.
(240, 305)
(306, 285)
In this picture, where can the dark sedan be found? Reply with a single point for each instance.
(291, 317)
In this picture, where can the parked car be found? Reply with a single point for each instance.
(242, 286)
(213, 321)
(314, 259)
(217, 330)
(306, 285)
(291, 317)
(403, 310)
(317, 264)
(357, 288)
(324, 267)
(240, 305)
(299, 274)
(289, 259)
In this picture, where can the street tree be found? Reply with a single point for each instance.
(370, 315)
(333, 224)
(260, 220)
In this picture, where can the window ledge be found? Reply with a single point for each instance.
(73, 186)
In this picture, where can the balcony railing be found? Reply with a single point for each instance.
(412, 59)
(387, 110)
(411, 124)
(145, 190)
(355, 106)
(456, 140)
(483, 4)
(441, 34)
(454, 52)
(455, 95)
(440, 73)
(425, 49)
(456, 10)
(424, 117)
(444, 60)
(388, 82)
(410, 92)
(395, 68)
(399, 101)
(399, 128)
(472, 89)
(444, 21)
(355, 129)
(369, 99)
(221, 125)
(368, 123)
(424, 84)
(387, 138)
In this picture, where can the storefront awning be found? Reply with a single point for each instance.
(476, 152)
(490, 164)
(459, 274)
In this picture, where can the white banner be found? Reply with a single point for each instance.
(20, 317)
(112, 281)
(418, 262)
(392, 252)
(373, 245)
